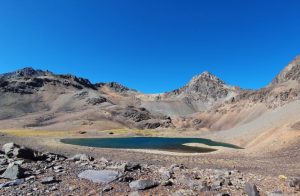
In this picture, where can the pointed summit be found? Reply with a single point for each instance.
(25, 72)
(290, 72)
(205, 87)
(207, 78)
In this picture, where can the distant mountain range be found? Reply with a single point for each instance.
(36, 98)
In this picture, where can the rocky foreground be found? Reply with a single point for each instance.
(27, 172)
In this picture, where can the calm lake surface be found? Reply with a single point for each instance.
(150, 143)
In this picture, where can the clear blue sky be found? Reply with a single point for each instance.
(151, 45)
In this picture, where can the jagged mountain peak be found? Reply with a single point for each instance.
(290, 72)
(25, 72)
(115, 86)
(205, 77)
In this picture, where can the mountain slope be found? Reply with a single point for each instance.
(203, 92)
(49, 97)
(247, 105)
(205, 103)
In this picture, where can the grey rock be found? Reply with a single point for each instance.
(130, 166)
(165, 174)
(217, 185)
(19, 162)
(8, 149)
(14, 150)
(49, 180)
(81, 157)
(13, 171)
(30, 178)
(103, 176)
(276, 193)
(12, 183)
(142, 184)
(193, 184)
(251, 190)
(107, 189)
(135, 193)
(295, 182)
(183, 192)
(59, 167)
(3, 162)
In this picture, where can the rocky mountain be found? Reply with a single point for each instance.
(206, 102)
(247, 105)
(114, 86)
(203, 92)
(290, 73)
(46, 98)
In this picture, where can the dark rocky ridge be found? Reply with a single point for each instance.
(290, 72)
(119, 88)
(29, 91)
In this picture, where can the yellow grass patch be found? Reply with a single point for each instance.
(36, 133)
(141, 132)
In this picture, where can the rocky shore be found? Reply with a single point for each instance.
(27, 172)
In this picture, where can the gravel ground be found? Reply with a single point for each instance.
(262, 170)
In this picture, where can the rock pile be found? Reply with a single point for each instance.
(27, 172)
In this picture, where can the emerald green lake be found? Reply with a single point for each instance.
(149, 143)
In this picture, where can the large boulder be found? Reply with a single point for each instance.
(24, 153)
(142, 184)
(9, 148)
(103, 176)
(13, 171)
(14, 150)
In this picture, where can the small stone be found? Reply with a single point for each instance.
(12, 183)
(251, 190)
(165, 174)
(276, 193)
(295, 182)
(183, 192)
(107, 188)
(81, 157)
(104, 160)
(142, 184)
(59, 167)
(135, 193)
(167, 183)
(30, 178)
(48, 180)
(73, 188)
(54, 188)
(130, 167)
(103, 176)
(3, 162)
